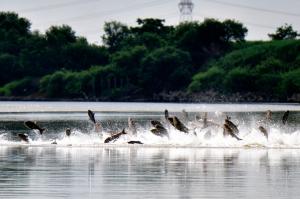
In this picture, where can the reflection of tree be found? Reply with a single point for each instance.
(264, 163)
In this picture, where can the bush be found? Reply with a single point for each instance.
(290, 83)
(240, 80)
(268, 83)
(285, 52)
(271, 65)
(165, 69)
(98, 81)
(22, 87)
(210, 79)
(53, 85)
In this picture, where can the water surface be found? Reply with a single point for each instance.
(139, 172)
(200, 165)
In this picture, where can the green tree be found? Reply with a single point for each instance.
(211, 79)
(89, 55)
(290, 83)
(240, 80)
(128, 62)
(209, 39)
(12, 24)
(8, 66)
(151, 25)
(21, 87)
(284, 32)
(234, 31)
(165, 69)
(115, 33)
(58, 36)
(13, 32)
(33, 58)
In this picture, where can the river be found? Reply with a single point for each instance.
(201, 164)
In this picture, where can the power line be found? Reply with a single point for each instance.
(165, 16)
(112, 11)
(55, 6)
(254, 8)
(243, 21)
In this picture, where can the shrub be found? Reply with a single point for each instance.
(22, 87)
(290, 83)
(271, 65)
(240, 80)
(210, 79)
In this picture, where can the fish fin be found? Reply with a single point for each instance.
(239, 139)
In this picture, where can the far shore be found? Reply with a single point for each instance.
(175, 97)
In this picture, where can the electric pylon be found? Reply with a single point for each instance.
(186, 10)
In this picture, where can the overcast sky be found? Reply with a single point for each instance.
(87, 17)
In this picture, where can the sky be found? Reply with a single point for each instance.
(87, 17)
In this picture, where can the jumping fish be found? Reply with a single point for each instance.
(115, 137)
(228, 131)
(197, 118)
(166, 114)
(68, 132)
(132, 126)
(135, 142)
(268, 115)
(263, 131)
(155, 122)
(205, 124)
(285, 117)
(232, 126)
(159, 129)
(178, 124)
(92, 116)
(98, 126)
(34, 126)
(23, 137)
(185, 115)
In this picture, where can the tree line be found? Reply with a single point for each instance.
(140, 61)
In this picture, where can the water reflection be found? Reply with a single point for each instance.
(139, 172)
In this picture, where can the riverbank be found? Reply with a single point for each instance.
(178, 96)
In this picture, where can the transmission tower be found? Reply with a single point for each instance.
(186, 10)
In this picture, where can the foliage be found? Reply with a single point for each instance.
(209, 39)
(150, 25)
(284, 32)
(290, 83)
(22, 87)
(210, 79)
(144, 60)
(97, 81)
(240, 80)
(115, 33)
(165, 69)
(270, 68)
